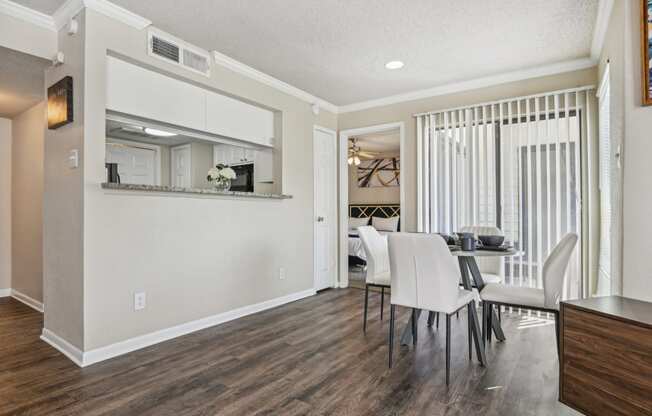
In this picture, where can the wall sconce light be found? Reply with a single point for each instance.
(60, 103)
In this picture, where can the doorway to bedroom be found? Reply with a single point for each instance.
(370, 193)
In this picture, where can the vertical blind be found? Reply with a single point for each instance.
(514, 164)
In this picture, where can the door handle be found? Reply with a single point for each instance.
(320, 219)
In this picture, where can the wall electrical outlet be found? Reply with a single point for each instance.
(281, 273)
(140, 301)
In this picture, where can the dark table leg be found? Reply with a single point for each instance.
(479, 284)
(473, 317)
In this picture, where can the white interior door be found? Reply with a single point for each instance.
(325, 208)
(136, 165)
(181, 166)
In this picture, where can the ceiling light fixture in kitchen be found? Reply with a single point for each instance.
(159, 133)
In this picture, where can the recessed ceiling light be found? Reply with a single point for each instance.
(394, 65)
(159, 133)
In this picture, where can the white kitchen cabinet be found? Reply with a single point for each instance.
(233, 155)
(233, 118)
(264, 166)
(262, 159)
(131, 89)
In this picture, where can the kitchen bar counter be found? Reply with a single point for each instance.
(189, 191)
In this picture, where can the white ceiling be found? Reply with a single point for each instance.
(337, 49)
(382, 143)
(43, 6)
(21, 82)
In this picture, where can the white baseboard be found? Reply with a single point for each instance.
(133, 344)
(31, 302)
(5, 293)
(64, 347)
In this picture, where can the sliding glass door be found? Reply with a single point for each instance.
(540, 198)
(515, 164)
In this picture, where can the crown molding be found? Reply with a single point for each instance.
(65, 12)
(26, 14)
(246, 70)
(600, 29)
(71, 8)
(119, 13)
(536, 72)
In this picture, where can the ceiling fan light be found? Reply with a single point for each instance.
(356, 160)
(350, 160)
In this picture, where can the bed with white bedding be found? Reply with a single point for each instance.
(385, 218)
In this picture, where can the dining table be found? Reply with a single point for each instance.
(471, 279)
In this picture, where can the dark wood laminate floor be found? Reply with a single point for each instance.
(308, 357)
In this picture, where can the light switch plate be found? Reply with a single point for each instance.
(73, 159)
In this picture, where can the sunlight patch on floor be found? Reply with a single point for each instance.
(528, 322)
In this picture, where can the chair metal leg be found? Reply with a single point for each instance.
(490, 317)
(392, 315)
(484, 323)
(366, 303)
(437, 320)
(382, 301)
(457, 315)
(500, 315)
(557, 334)
(414, 327)
(448, 348)
(468, 324)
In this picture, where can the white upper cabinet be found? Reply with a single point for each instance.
(264, 166)
(232, 118)
(233, 155)
(134, 90)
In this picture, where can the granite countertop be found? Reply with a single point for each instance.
(196, 191)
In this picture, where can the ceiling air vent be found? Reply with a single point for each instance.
(171, 49)
(196, 61)
(165, 49)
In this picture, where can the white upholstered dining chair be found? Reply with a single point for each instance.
(491, 268)
(378, 272)
(424, 275)
(546, 299)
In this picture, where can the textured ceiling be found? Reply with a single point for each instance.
(386, 142)
(337, 49)
(43, 6)
(21, 81)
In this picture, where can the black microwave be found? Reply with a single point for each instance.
(244, 178)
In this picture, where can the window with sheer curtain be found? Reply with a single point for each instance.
(515, 164)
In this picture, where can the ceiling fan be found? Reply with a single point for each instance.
(355, 153)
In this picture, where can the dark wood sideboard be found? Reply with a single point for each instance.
(606, 356)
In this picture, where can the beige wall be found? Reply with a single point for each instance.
(5, 205)
(194, 257)
(379, 195)
(63, 213)
(404, 111)
(202, 160)
(27, 202)
(637, 176)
